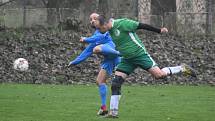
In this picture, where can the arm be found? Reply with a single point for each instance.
(148, 27)
(151, 28)
(94, 38)
(84, 55)
(130, 25)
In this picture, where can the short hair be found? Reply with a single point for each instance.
(94, 14)
(102, 19)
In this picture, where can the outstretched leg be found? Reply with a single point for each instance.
(105, 49)
(161, 73)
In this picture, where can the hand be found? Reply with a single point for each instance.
(164, 30)
(82, 39)
(69, 65)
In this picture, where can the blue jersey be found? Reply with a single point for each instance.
(110, 61)
(96, 39)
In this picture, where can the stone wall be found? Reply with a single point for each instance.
(191, 14)
(53, 14)
(180, 16)
(190, 6)
(144, 10)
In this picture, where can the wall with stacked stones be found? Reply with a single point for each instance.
(180, 16)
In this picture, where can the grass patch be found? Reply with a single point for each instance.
(26, 102)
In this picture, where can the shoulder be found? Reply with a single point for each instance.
(97, 32)
(118, 21)
(121, 20)
(124, 21)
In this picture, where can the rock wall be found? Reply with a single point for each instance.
(191, 6)
(191, 14)
(180, 16)
(144, 10)
(49, 51)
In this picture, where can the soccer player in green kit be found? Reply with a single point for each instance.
(134, 54)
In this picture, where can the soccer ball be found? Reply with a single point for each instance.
(20, 64)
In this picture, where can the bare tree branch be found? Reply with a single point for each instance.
(45, 2)
(6, 2)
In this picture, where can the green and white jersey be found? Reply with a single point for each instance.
(125, 38)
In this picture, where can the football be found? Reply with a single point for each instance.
(21, 64)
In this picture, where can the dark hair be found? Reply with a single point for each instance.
(102, 19)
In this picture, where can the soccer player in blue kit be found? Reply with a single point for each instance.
(100, 43)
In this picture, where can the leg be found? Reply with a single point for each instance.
(102, 76)
(147, 63)
(157, 72)
(107, 67)
(106, 50)
(116, 93)
(101, 82)
(161, 73)
(124, 68)
(97, 49)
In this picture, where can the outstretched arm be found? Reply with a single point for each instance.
(92, 39)
(151, 28)
(84, 55)
(131, 25)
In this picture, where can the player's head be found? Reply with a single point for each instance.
(102, 23)
(93, 17)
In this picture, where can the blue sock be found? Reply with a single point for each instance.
(103, 93)
(107, 51)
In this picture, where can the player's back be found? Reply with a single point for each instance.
(125, 38)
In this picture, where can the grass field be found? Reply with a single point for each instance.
(21, 102)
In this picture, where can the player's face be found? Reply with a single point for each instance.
(96, 23)
(102, 28)
(93, 18)
(108, 25)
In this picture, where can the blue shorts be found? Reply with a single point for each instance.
(110, 64)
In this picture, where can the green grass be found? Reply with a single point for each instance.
(21, 102)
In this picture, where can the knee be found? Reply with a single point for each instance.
(97, 49)
(157, 73)
(160, 75)
(98, 82)
(116, 85)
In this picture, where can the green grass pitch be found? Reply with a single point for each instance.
(26, 102)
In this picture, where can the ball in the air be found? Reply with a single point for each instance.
(21, 64)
